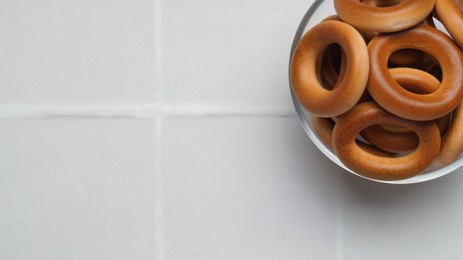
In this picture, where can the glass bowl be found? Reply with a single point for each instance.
(319, 10)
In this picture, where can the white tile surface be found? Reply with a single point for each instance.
(77, 189)
(233, 53)
(76, 51)
(83, 186)
(246, 188)
(402, 222)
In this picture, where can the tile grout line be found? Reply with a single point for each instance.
(154, 111)
(159, 193)
(215, 110)
(157, 41)
(142, 111)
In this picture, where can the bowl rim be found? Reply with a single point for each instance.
(420, 178)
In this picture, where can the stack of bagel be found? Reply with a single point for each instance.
(384, 86)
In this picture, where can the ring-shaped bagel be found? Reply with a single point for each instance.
(396, 99)
(450, 13)
(393, 138)
(382, 168)
(367, 17)
(306, 63)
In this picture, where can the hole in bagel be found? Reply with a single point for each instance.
(336, 56)
(365, 146)
(425, 72)
(440, 26)
(391, 138)
(408, 58)
(412, 58)
(330, 66)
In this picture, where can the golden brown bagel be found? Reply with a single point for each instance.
(384, 17)
(396, 99)
(306, 65)
(382, 168)
(393, 138)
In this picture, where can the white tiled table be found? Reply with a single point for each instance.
(150, 129)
